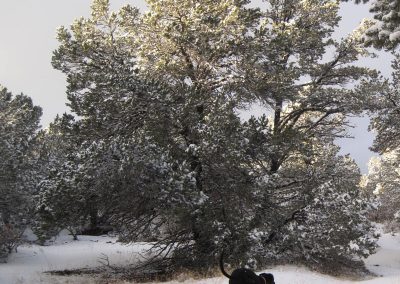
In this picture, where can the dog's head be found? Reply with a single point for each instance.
(268, 277)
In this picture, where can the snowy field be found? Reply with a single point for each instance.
(26, 266)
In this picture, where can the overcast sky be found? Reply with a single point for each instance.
(27, 33)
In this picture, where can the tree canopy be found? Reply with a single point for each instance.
(19, 124)
(160, 151)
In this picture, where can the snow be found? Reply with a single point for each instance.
(26, 266)
(395, 36)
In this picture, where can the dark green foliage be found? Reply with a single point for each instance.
(19, 123)
(160, 151)
(383, 32)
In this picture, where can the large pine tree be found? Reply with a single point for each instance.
(162, 147)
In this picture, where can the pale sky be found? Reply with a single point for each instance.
(28, 30)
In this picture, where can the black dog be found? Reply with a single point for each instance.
(246, 276)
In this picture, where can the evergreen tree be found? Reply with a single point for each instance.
(385, 112)
(58, 203)
(385, 29)
(175, 148)
(19, 123)
(383, 183)
(382, 179)
(329, 228)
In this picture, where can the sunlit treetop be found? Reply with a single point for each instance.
(191, 39)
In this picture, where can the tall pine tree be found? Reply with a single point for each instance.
(158, 94)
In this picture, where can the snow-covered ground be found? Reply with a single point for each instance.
(26, 266)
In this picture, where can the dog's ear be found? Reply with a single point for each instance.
(269, 278)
